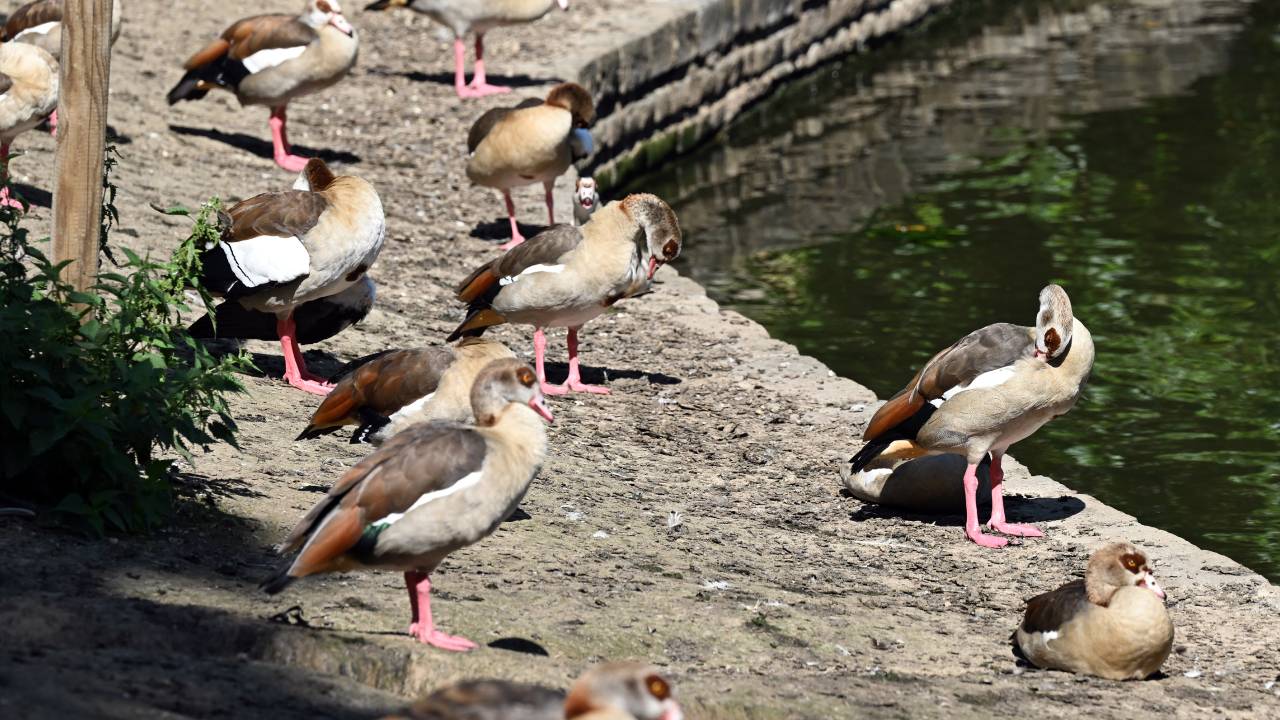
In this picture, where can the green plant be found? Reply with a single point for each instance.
(103, 388)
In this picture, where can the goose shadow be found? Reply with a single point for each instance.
(262, 148)
(35, 197)
(500, 230)
(931, 489)
(446, 78)
(557, 372)
(319, 362)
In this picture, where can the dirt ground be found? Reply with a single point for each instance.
(693, 518)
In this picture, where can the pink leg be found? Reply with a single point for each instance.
(539, 360)
(419, 585)
(478, 84)
(295, 367)
(53, 123)
(574, 381)
(6, 200)
(998, 522)
(284, 156)
(550, 185)
(516, 237)
(971, 528)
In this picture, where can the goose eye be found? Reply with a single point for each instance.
(670, 249)
(323, 6)
(525, 376)
(1051, 340)
(658, 687)
(1130, 563)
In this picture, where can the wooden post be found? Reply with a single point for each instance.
(82, 127)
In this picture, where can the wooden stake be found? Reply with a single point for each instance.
(82, 126)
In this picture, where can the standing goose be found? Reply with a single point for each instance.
(435, 488)
(28, 93)
(39, 23)
(531, 142)
(1112, 624)
(481, 16)
(389, 391)
(992, 388)
(614, 691)
(280, 252)
(272, 59)
(566, 276)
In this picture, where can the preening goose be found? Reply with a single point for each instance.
(1112, 624)
(281, 252)
(389, 391)
(28, 93)
(430, 490)
(617, 691)
(586, 198)
(566, 276)
(992, 388)
(480, 16)
(39, 23)
(272, 59)
(531, 142)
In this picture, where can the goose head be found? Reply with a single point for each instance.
(1118, 565)
(319, 13)
(633, 689)
(502, 384)
(662, 237)
(1053, 323)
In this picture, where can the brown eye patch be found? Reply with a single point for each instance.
(670, 249)
(658, 687)
(1131, 562)
(525, 376)
(1051, 340)
(323, 6)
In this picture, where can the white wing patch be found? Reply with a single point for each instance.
(530, 271)
(462, 484)
(264, 59)
(41, 29)
(267, 259)
(413, 407)
(988, 379)
(1049, 635)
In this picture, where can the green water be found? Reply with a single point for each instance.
(874, 213)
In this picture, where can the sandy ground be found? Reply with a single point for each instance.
(773, 596)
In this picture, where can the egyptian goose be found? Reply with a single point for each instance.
(586, 198)
(434, 488)
(1112, 624)
(28, 93)
(566, 276)
(992, 388)
(392, 390)
(610, 691)
(463, 16)
(282, 251)
(272, 59)
(531, 142)
(40, 23)
(929, 485)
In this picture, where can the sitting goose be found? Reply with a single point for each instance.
(28, 93)
(609, 691)
(531, 142)
(39, 23)
(435, 488)
(272, 59)
(387, 392)
(566, 276)
(992, 388)
(463, 16)
(1112, 624)
(281, 252)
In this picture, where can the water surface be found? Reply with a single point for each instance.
(875, 212)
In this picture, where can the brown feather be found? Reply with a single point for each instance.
(31, 15)
(267, 32)
(338, 534)
(1052, 610)
(896, 410)
(485, 123)
(488, 317)
(382, 386)
(318, 175)
(477, 284)
(209, 54)
(288, 213)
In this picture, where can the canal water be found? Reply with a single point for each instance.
(876, 211)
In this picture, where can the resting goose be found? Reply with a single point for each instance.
(435, 488)
(566, 276)
(992, 388)
(389, 391)
(272, 59)
(531, 142)
(615, 691)
(281, 253)
(463, 16)
(1112, 624)
(28, 93)
(586, 198)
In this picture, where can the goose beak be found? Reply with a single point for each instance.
(1149, 582)
(539, 405)
(653, 266)
(341, 23)
(671, 710)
